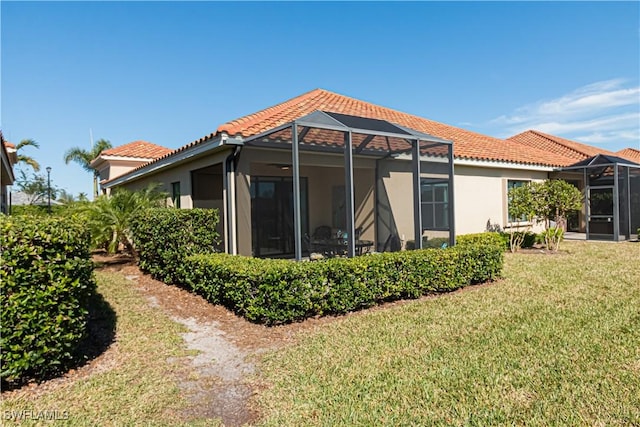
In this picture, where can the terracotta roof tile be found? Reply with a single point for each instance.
(467, 144)
(555, 144)
(138, 149)
(629, 154)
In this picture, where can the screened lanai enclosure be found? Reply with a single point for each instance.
(611, 187)
(343, 185)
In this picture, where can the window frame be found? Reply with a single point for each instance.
(510, 219)
(176, 195)
(433, 203)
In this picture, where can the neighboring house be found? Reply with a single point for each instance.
(629, 154)
(7, 177)
(248, 168)
(609, 181)
(119, 160)
(20, 198)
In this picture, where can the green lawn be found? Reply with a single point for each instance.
(135, 385)
(557, 342)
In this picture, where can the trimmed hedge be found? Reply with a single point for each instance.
(280, 291)
(164, 237)
(46, 281)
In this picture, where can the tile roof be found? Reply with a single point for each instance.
(467, 144)
(630, 154)
(560, 146)
(138, 149)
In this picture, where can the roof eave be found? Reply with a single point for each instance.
(502, 164)
(212, 145)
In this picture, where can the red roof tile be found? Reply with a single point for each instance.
(629, 154)
(138, 149)
(555, 144)
(467, 144)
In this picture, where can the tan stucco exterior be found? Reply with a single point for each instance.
(383, 196)
(115, 168)
(481, 195)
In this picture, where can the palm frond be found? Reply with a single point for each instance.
(27, 143)
(30, 161)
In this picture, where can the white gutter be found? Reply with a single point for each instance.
(502, 165)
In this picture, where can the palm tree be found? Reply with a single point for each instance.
(65, 198)
(84, 158)
(109, 217)
(27, 160)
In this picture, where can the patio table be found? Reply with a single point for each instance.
(338, 246)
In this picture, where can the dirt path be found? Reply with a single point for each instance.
(220, 378)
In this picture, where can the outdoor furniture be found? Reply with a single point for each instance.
(338, 246)
(322, 232)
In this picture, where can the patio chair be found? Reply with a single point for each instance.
(322, 232)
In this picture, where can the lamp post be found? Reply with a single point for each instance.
(49, 188)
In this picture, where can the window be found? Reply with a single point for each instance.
(435, 204)
(514, 184)
(175, 194)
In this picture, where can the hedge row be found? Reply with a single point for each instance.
(280, 291)
(164, 238)
(46, 280)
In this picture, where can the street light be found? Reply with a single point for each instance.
(49, 188)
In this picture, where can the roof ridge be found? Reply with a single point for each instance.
(396, 111)
(630, 149)
(255, 117)
(553, 139)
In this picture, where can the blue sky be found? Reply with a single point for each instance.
(172, 72)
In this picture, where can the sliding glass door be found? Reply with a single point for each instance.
(272, 215)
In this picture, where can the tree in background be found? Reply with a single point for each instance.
(522, 208)
(84, 158)
(35, 187)
(555, 199)
(24, 159)
(109, 217)
(548, 202)
(67, 198)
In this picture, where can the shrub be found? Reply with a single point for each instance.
(552, 238)
(279, 291)
(165, 237)
(435, 243)
(46, 280)
(40, 210)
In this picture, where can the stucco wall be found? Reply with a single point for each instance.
(180, 173)
(481, 195)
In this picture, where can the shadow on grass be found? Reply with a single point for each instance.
(101, 331)
(100, 334)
